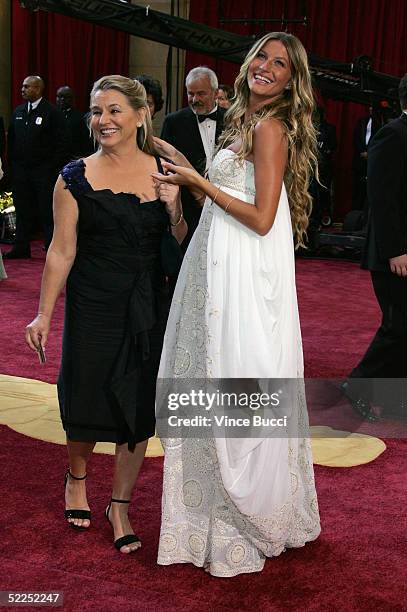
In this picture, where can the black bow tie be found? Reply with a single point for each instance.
(210, 116)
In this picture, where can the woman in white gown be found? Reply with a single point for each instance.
(230, 503)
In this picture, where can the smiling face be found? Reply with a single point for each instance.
(201, 96)
(269, 73)
(114, 121)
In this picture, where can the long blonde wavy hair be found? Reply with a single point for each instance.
(137, 98)
(294, 108)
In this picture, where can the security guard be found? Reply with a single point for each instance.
(38, 145)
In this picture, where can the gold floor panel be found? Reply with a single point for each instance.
(31, 407)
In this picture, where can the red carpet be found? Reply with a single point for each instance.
(358, 563)
(337, 307)
(19, 295)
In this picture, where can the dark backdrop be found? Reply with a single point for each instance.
(67, 51)
(337, 29)
(64, 51)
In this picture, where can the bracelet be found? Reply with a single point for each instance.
(179, 220)
(216, 195)
(42, 314)
(227, 206)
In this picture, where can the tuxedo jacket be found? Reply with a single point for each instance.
(387, 195)
(38, 141)
(181, 130)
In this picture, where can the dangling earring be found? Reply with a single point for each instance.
(93, 137)
(144, 125)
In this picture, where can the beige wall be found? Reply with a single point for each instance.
(5, 60)
(149, 57)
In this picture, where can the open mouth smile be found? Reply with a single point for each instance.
(262, 79)
(108, 131)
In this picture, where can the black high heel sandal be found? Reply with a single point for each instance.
(125, 540)
(81, 514)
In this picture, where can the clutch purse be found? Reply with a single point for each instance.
(171, 254)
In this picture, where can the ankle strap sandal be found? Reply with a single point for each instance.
(125, 540)
(74, 513)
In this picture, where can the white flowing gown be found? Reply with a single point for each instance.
(230, 503)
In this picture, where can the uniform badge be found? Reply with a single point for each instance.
(38, 120)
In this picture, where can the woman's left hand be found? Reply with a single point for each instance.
(178, 175)
(169, 194)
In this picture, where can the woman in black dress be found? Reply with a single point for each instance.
(110, 218)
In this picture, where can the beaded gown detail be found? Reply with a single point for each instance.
(115, 315)
(229, 504)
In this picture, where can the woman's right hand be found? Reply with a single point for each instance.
(165, 149)
(36, 332)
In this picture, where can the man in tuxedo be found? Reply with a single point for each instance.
(194, 131)
(37, 150)
(81, 144)
(385, 256)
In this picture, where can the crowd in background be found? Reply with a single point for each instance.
(43, 137)
(99, 230)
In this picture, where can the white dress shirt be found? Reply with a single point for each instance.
(368, 131)
(33, 104)
(207, 129)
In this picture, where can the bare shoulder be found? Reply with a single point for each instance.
(62, 193)
(269, 140)
(60, 185)
(91, 159)
(269, 128)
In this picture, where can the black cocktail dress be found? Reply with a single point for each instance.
(115, 315)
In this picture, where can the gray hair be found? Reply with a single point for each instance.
(202, 71)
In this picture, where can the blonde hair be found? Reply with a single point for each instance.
(137, 98)
(294, 108)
